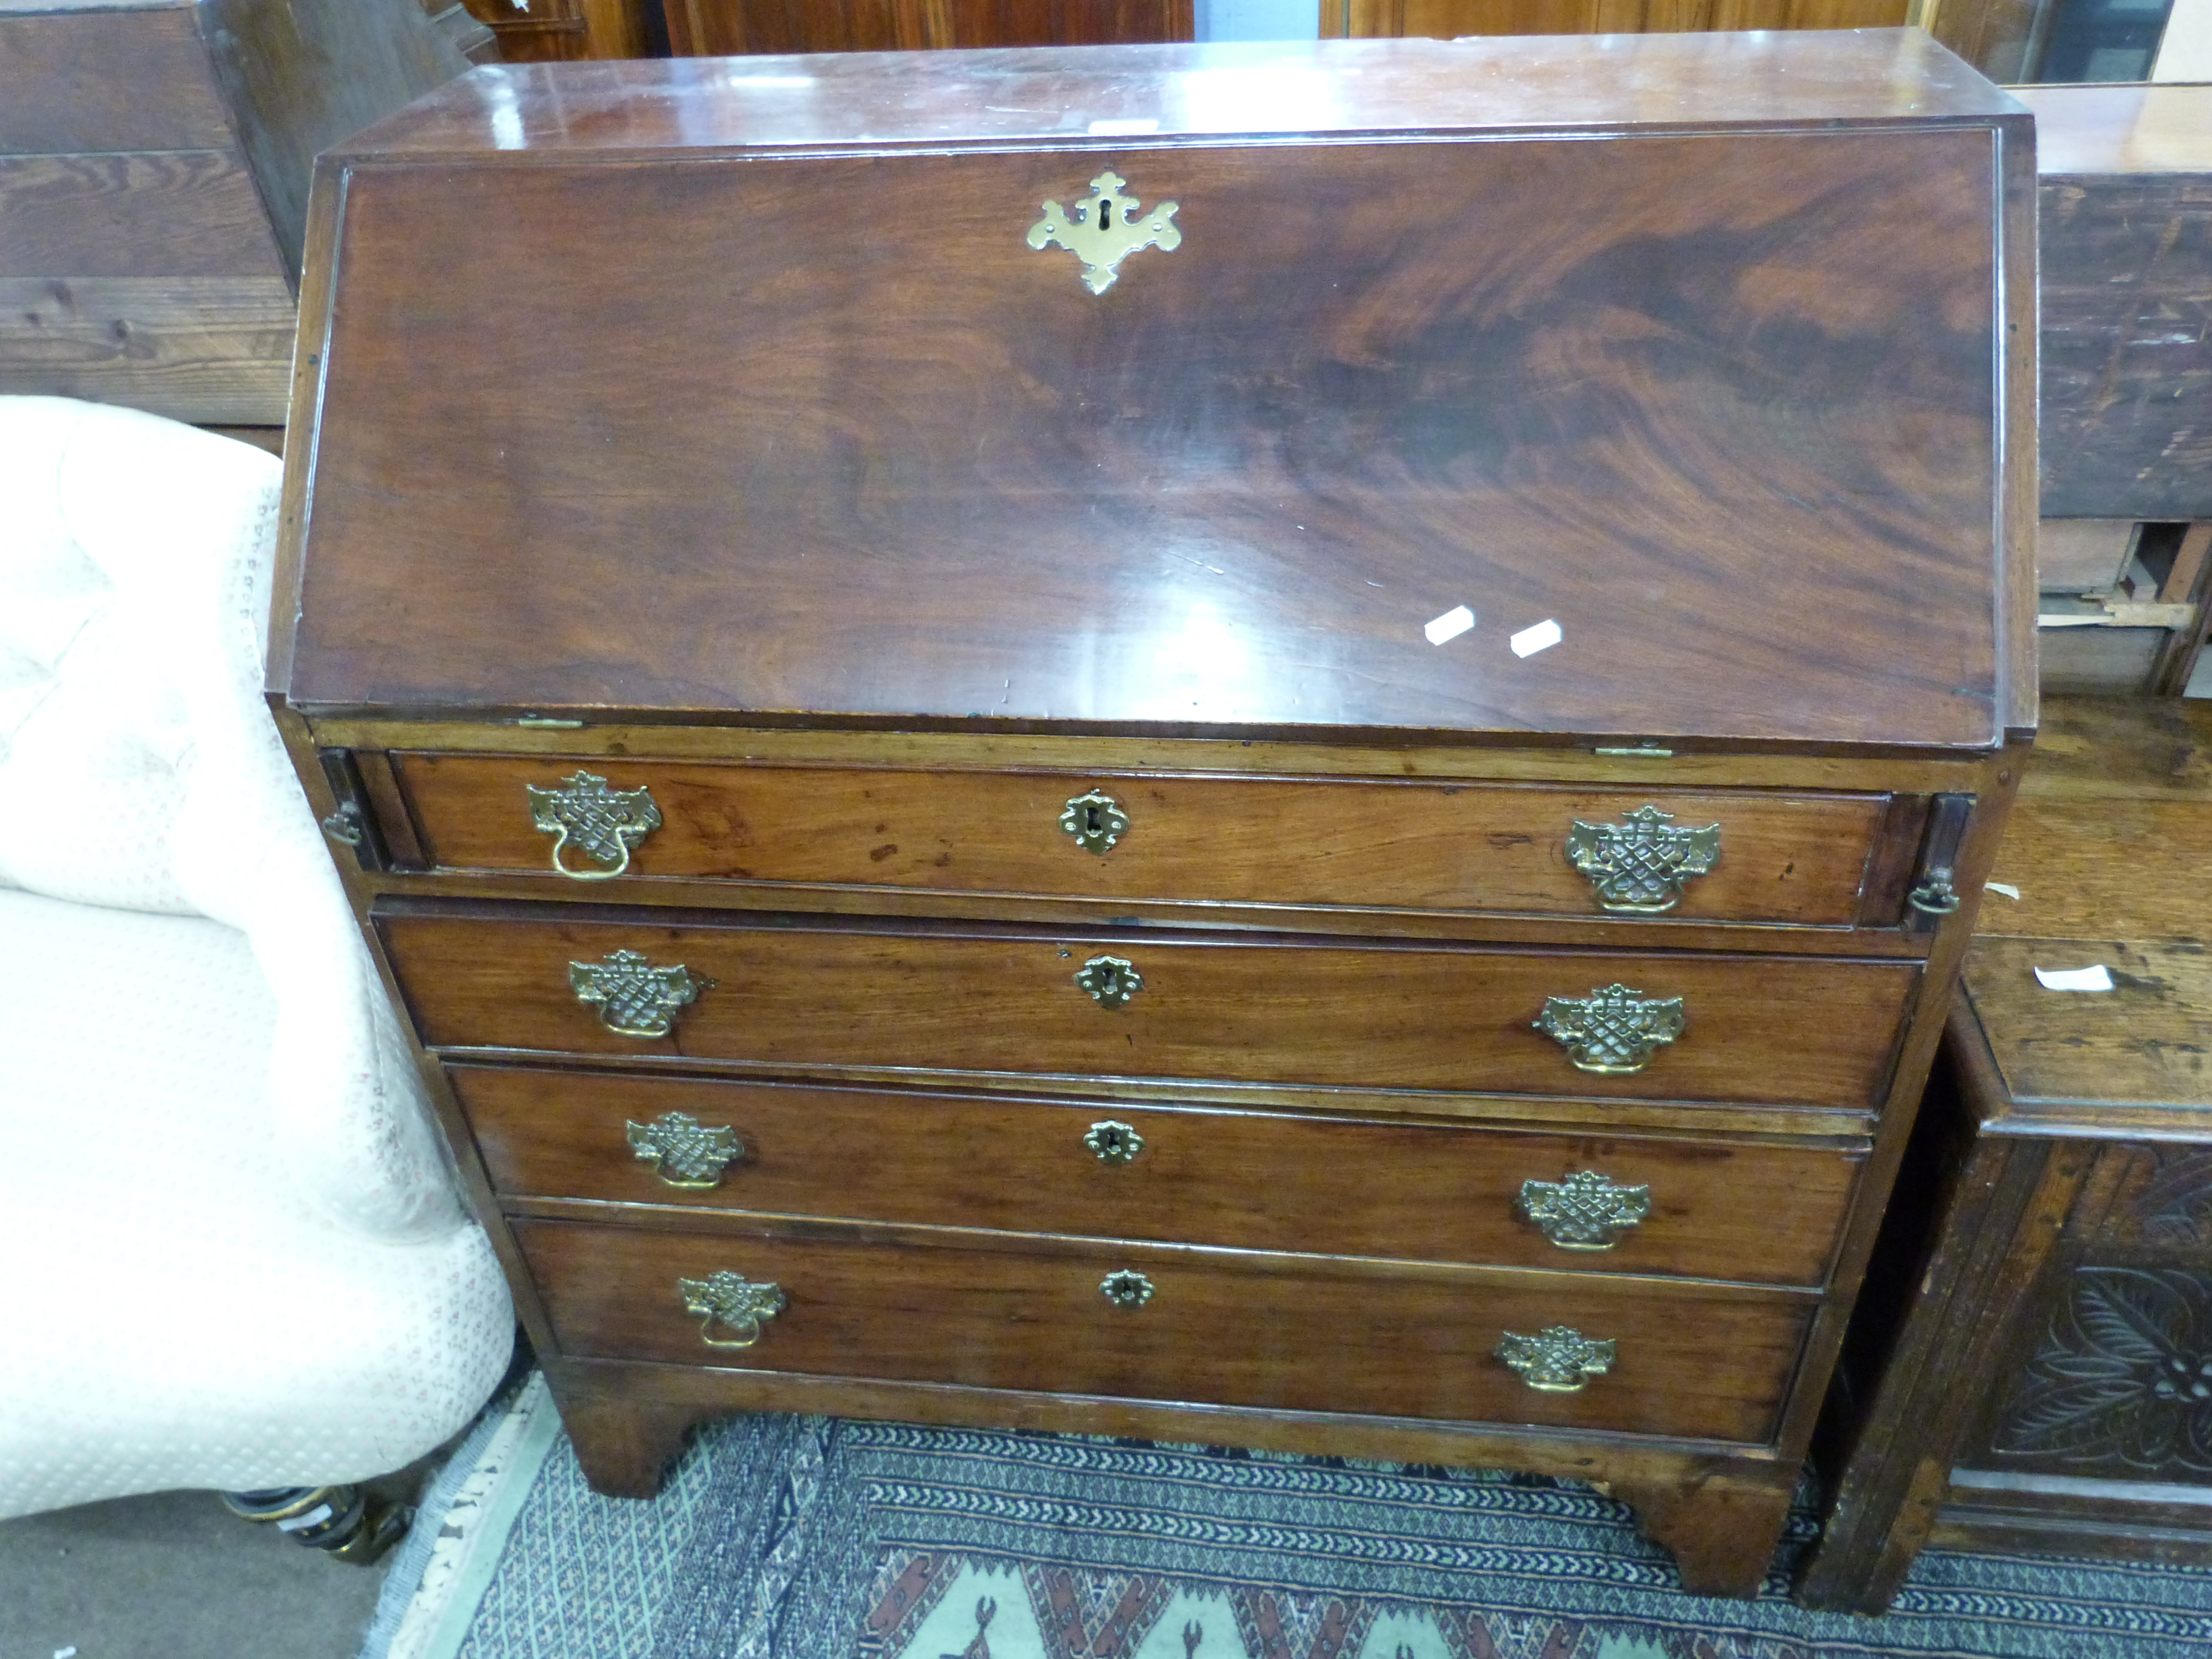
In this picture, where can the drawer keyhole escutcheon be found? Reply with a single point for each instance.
(1102, 238)
(1557, 1359)
(1638, 867)
(1096, 820)
(1115, 1142)
(603, 823)
(1110, 981)
(732, 1301)
(1613, 1030)
(684, 1151)
(635, 997)
(1584, 1211)
(1126, 1289)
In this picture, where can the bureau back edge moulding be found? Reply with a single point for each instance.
(1280, 745)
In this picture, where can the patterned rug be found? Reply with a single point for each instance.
(807, 1538)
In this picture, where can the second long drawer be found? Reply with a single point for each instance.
(1262, 1180)
(1263, 1008)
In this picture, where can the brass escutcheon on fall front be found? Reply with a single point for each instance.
(606, 823)
(1115, 1142)
(1126, 1289)
(1109, 980)
(731, 1299)
(684, 1151)
(635, 997)
(1584, 1211)
(1557, 1359)
(1614, 1029)
(1638, 867)
(1105, 230)
(1096, 820)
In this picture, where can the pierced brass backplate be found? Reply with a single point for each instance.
(1584, 1211)
(1614, 1029)
(684, 1151)
(635, 998)
(731, 1299)
(1557, 1359)
(606, 823)
(1640, 867)
(1126, 1289)
(1115, 1142)
(1096, 820)
(1105, 230)
(1111, 981)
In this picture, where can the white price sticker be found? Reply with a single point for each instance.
(1449, 626)
(1543, 637)
(2074, 979)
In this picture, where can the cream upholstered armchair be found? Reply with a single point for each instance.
(230, 1253)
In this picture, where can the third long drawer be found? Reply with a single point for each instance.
(1314, 1182)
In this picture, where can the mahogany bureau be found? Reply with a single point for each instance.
(1285, 745)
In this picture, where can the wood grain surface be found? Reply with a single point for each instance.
(1792, 80)
(1799, 860)
(74, 82)
(161, 213)
(709, 27)
(2142, 1044)
(2126, 287)
(1263, 1008)
(1448, 18)
(2113, 820)
(1227, 495)
(1234, 1329)
(1248, 1180)
(212, 349)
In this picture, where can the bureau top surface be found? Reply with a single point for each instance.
(761, 388)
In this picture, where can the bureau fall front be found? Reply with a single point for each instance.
(1279, 746)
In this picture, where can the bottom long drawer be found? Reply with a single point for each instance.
(1189, 1327)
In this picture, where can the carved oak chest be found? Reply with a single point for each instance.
(1279, 744)
(2031, 1368)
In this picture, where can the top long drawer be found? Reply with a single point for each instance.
(1793, 859)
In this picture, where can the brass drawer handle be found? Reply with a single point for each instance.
(1613, 1030)
(1126, 1289)
(1096, 820)
(1584, 1211)
(1094, 235)
(635, 998)
(684, 1151)
(1638, 867)
(606, 823)
(1115, 1142)
(1109, 980)
(1557, 1359)
(731, 1299)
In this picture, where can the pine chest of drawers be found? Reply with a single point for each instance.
(1285, 745)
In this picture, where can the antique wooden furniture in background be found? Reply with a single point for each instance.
(706, 28)
(2126, 416)
(2031, 1368)
(1103, 756)
(561, 31)
(154, 167)
(1449, 18)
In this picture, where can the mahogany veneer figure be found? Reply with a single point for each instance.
(1059, 737)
